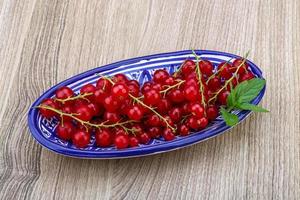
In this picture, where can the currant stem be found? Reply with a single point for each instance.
(79, 96)
(154, 111)
(229, 80)
(214, 74)
(199, 76)
(85, 123)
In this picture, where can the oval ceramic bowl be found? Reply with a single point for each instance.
(140, 69)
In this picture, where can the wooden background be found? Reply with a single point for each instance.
(43, 42)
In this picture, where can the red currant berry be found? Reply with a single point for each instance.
(103, 138)
(168, 134)
(154, 132)
(95, 108)
(191, 82)
(203, 122)
(232, 84)
(185, 108)
(146, 87)
(144, 138)
(157, 86)
(206, 67)
(176, 96)
(67, 109)
(163, 106)
(193, 123)
(160, 76)
(104, 84)
(153, 120)
(246, 77)
(88, 89)
(212, 112)
(225, 72)
(111, 104)
(111, 117)
(183, 130)
(197, 110)
(46, 112)
(134, 82)
(120, 91)
(151, 97)
(81, 139)
(133, 141)
(64, 92)
(120, 78)
(188, 67)
(170, 81)
(241, 64)
(84, 112)
(175, 114)
(134, 90)
(222, 97)
(135, 113)
(214, 84)
(65, 130)
(169, 120)
(191, 93)
(100, 95)
(121, 141)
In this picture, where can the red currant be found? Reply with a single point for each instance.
(176, 96)
(246, 77)
(133, 141)
(111, 104)
(206, 67)
(104, 84)
(64, 92)
(120, 91)
(214, 84)
(191, 93)
(100, 95)
(135, 113)
(168, 134)
(144, 138)
(153, 120)
(146, 87)
(183, 130)
(241, 64)
(84, 112)
(163, 106)
(203, 122)
(151, 97)
(88, 88)
(111, 117)
(160, 76)
(222, 97)
(197, 110)
(212, 112)
(188, 67)
(133, 82)
(170, 81)
(46, 112)
(81, 139)
(175, 114)
(154, 132)
(95, 108)
(65, 130)
(103, 138)
(225, 72)
(121, 141)
(120, 78)
(134, 90)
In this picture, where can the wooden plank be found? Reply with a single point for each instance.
(44, 42)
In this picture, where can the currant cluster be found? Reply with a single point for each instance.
(123, 113)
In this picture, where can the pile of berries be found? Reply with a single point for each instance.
(123, 113)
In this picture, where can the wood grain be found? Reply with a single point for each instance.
(44, 42)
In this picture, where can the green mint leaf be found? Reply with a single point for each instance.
(248, 106)
(248, 90)
(231, 99)
(229, 118)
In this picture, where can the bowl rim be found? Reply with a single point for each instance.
(147, 149)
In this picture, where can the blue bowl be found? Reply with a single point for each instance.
(139, 69)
